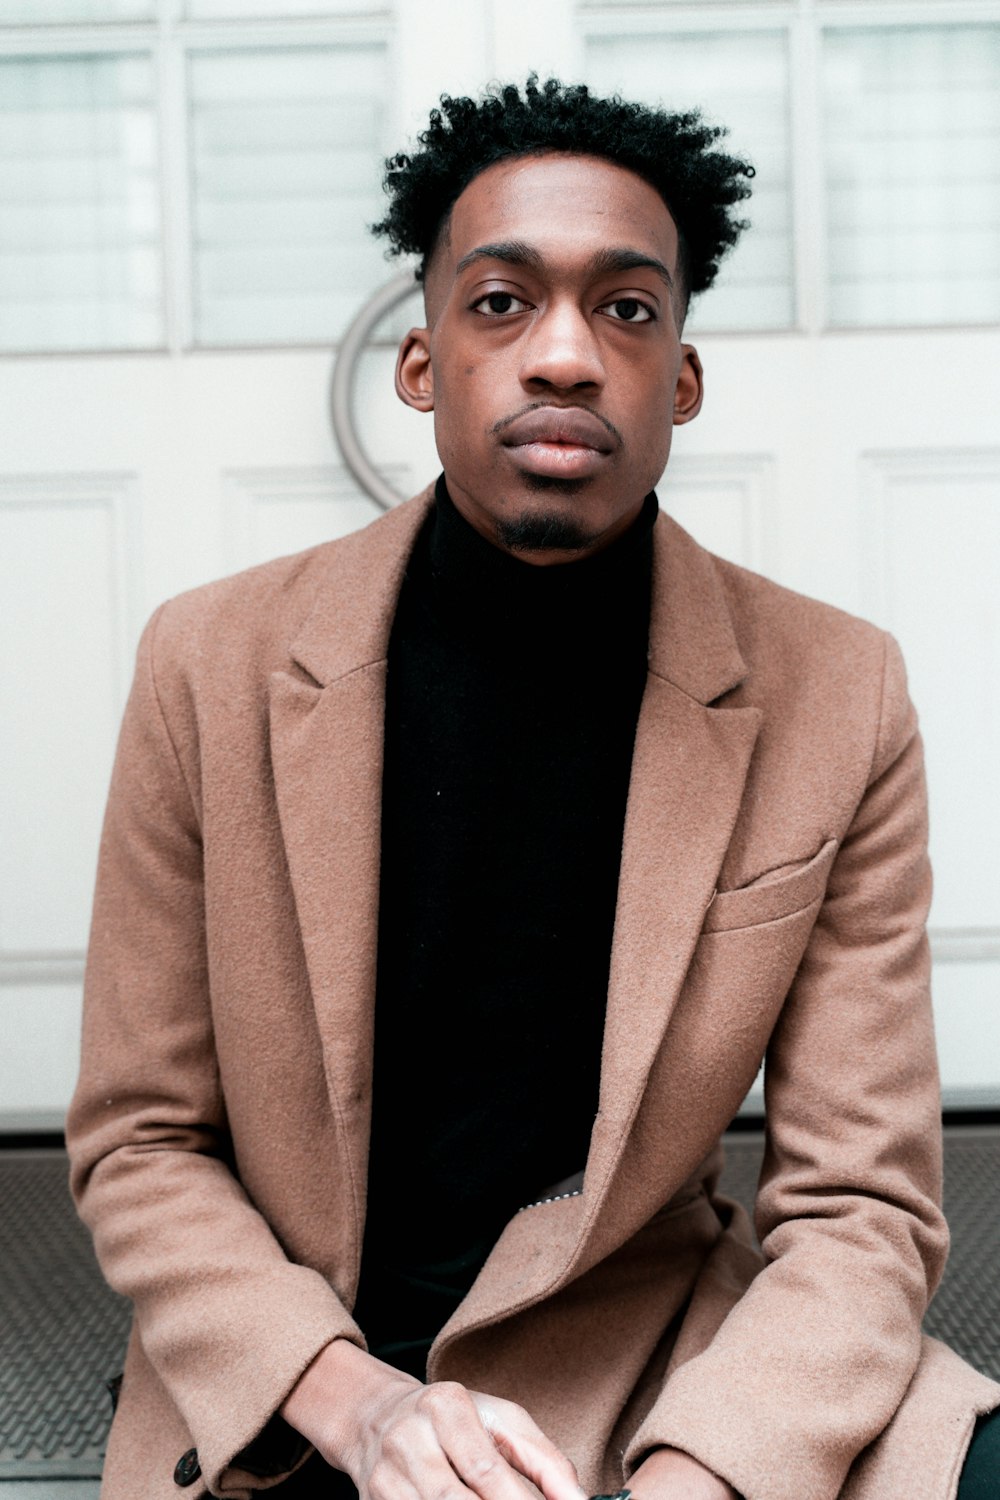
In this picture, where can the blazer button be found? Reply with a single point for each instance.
(188, 1469)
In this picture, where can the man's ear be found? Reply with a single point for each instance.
(414, 372)
(690, 388)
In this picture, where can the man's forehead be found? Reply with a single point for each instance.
(557, 200)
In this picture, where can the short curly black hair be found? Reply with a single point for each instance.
(672, 152)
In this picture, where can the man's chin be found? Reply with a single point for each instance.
(542, 531)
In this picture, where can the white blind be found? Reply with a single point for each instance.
(913, 174)
(80, 257)
(281, 9)
(45, 12)
(740, 80)
(287, 161)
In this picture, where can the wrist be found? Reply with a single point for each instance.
(335, 1398)
(670, 1471)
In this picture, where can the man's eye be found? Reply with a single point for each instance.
(629, 310)
(497, 303)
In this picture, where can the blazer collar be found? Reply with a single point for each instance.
(692, 643)
(351, 618)
(691, 639)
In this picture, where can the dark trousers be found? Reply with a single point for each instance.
(981, 1472)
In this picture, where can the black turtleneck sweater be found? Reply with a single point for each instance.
(512, 697)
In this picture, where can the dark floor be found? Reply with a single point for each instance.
(62, 1332)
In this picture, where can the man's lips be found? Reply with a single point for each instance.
(574, 426)
(566, 443)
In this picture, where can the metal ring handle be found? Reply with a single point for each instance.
(342, 387)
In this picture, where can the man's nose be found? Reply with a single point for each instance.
(562, 351)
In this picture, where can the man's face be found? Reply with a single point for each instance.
(552, 359)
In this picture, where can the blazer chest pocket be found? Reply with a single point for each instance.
(779, 893)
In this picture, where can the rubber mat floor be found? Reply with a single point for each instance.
(62, 1332)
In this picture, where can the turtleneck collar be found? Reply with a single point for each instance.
(492, 593)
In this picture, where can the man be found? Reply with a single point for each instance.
(498, 841)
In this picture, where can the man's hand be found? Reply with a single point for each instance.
(400, 1440)
(669, 1474)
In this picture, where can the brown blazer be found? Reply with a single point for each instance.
(773, 892)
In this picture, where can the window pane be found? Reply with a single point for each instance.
(288, 148)
(42, 12)
(80, 257)
(739, 80)
(913, 188)
(282, 8)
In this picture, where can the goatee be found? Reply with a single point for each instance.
(545, 531)
(542, 533)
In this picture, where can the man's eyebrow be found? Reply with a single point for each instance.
(514, 252)
(623, 259)
(616, 258)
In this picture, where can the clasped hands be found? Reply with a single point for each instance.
(401, 1440)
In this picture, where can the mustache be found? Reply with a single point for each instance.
(505, 422)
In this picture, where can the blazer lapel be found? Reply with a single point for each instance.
(327, 716)
(689, 768)
(689, 771)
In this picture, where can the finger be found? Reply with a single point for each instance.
(450, 1433)
(524, 1445)
(466, 1444)
(413, 1466)
(414, 1448)
(482, 1465)
(436, 1479)
(383, 1485)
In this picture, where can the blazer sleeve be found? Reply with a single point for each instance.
(226, 1320)
(811, 1363)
